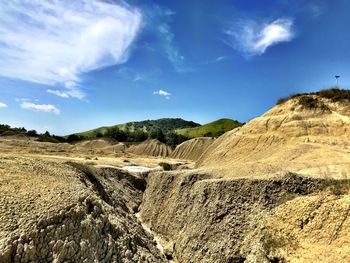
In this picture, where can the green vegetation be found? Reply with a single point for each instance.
(334, 94)
(162, 130)
(169, 131)
(148, 126)
(165, 166)
(47, 137)
(309, 102)
(6, 130)
(212, 129)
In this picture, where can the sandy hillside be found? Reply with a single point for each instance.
(101, 146)
(98, 143)
(289, 137)
(192, 149)
(151, 148)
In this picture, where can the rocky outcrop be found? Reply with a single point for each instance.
(151, 148)
(55, 212)
(192, 149)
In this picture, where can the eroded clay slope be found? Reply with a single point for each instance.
(290, 218)
(192, 149)
(68, 212)
(311, 140)
(151, 148)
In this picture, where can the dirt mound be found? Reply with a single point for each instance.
(98, 143)
(101, 147)
(306, 134)
(56, 212)
(151, 148)
(192, 149)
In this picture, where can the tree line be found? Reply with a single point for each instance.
(121, 135)
(170, 138)
(7, 130)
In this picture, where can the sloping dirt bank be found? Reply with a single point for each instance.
(68, 212)
(192, 149)
(56, 211)
(151, 147)
(232, 220)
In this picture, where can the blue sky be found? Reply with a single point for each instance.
(68, 66)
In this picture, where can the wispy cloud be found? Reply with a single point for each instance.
(19, 100)
(252, 38)
(3, 105)
(55, 42)
(221, 58)
(216, 60)
(163, 94)
(58, 93)
(316, 9)
(130, 74)
(159, 25)
(173, 53)
(40, 107)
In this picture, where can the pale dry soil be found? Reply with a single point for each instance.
(274, 190)
(59, 204)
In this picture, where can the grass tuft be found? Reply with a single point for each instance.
(334, 94)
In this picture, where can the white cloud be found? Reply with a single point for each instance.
(40, 107)
(251, 38)
(221, 58)
(130, 74)
(173, 53)
(54, 42)
(73, 90)
(163, 94)
(3, 105)
(58, 93)
(216, 60)
(19, 100)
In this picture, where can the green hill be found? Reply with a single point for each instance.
(165, 125)
(212, 129)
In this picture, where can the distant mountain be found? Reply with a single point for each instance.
(212, 129)
(165, 125)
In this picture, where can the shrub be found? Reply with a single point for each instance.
(74, 138)
(281, 101)
(173, 139)
(334, 94)
(309, 102)
(157, 134)
(32, 133)
(140, 136)
(165, 166)
(45, 138)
